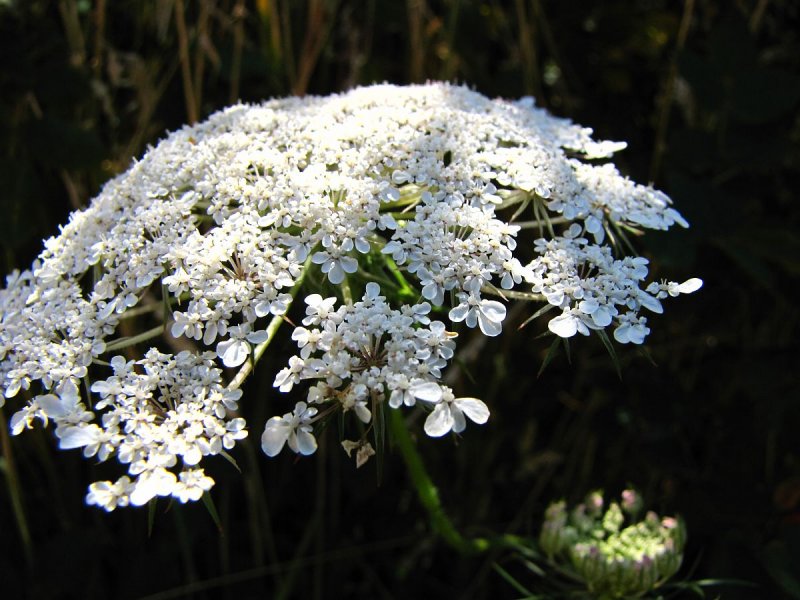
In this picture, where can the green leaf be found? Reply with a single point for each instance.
(537, 314)
(552, 352)
(208, 501)
(231, 460)
(566, 350)
(601, 333)
(513, 582)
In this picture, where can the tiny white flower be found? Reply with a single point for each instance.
(286, 378)
(108, 495)
(318, 309)
(293, 429)
(487, 314)
(449, 414)
(192, 485)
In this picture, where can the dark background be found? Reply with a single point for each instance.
(704, 421)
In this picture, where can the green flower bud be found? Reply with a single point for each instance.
(614, 559)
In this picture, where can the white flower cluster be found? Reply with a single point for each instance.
(155, 411)
(453, 244)
(212, 232)
(360, 355)
(594, 289)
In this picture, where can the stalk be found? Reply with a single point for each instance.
(428, 494)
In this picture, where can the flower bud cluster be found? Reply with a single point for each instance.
(613, 553)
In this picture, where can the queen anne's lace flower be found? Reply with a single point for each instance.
(211, 233)
(363, 354)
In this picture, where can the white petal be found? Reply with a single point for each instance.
(650, 303)
(306, 443)
(256, 337)
(440, 421)
(637, 333)
(275, 435)
(690, 285)
(149, 485)
(349, 264)
(427, 391)
(12, 388)
(475, 409)
(488, 327)
(19, 421)
(261, 308)
(77, 437)
(593, 224)
(144, 491)
(589, 306)
(459, 313)
(395, 400)
(210, 334)
(363, 413)
(602, 316)
(233, 352)
(459, 422)
(362, 245)
(192, 456)
(431, 291)
(68, 392)
(52, 406)
(336, 273)
(493, 310)
(564, 326)
(622, 333)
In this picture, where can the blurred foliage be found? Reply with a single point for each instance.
(706, 92)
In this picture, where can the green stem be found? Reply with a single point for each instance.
(427, 492)
(258, 352)
(537, 223)
(135, 339)
(513, 295)
(272, 329)
(347, 294)
(405, 288)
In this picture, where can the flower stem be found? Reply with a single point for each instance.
(347, 294)
(538, 223)
(513, 295)
(272, 329)
(135, 339)
(427, 492)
